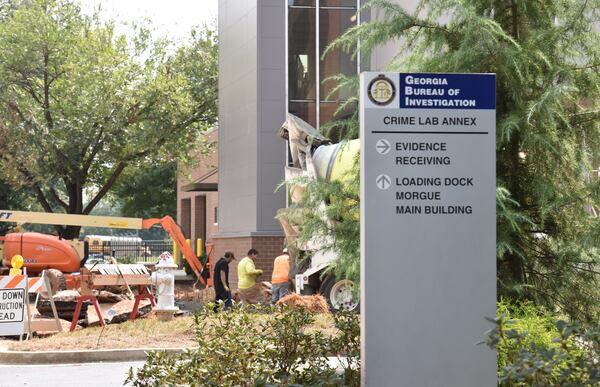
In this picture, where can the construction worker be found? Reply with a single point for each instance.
(221, 281)
(280, 279)
(250, 291)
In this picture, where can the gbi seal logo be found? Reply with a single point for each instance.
(381, 90)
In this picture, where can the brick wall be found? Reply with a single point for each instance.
(269, 247)
(199, 205)
(186, 217)
(199, 219)
(212, 201)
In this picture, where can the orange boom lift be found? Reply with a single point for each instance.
(42, 251)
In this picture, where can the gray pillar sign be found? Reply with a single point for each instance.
(428, 229)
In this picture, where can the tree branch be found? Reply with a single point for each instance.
(117, 172)
(47, 113)
(515, 19)
(592, 66)
(87, 163)
(45, 205)
(14, 107)
(29, 89)
(26, 84)
(57, 198)
(577, 18)
(42, 198)
(107, 186)
(55, 77)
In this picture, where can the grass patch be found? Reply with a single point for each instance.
(141, 333)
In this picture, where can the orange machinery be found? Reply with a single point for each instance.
(42, 251)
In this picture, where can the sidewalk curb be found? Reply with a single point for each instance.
(81, 356)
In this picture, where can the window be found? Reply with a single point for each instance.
(216, 216)
(302, 63)
(312, 26)
(332, 24)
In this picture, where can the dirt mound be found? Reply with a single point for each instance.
(204, 295)
(315, 303)
(184, 294)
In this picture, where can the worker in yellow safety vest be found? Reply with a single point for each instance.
(250, 291)
(280, 279)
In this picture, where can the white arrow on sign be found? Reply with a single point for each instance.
(383, 146)
(383, 182)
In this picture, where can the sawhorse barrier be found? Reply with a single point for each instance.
(18, 315)
(143, 294)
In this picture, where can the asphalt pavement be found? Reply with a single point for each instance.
(85, 374)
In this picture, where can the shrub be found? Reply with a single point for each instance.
(538, 327)
(254, 346)
(562, 354)
(294, 355)
(347, 346)
(128, 259)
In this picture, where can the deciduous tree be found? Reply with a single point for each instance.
(149, 191)
(79, 104)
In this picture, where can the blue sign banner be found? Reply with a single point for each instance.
(447, 91)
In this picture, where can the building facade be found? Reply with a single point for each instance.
(312, 26)
(197, 197)
(270, 62)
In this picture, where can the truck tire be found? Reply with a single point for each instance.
(57, 280)
(340, 294)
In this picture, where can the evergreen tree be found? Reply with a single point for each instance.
(328, 217)
(546, 55)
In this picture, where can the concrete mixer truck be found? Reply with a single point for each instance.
(315, 157)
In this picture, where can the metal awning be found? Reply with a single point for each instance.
(203, 187)
(200, 186)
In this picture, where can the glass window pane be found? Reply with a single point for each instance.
(338, 3)
(328, 112)
(333, 23)
(302, 54)
(301, 3)
(305, 110)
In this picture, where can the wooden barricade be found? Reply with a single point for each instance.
(112, 275)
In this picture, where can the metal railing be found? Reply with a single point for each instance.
(147, 251)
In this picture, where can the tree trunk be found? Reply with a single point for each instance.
(513, 261)
(70, 232)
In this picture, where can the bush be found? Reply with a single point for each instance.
(205, 269)
(347, 345)
(127, 260)
(247, 347)
(538, 328)
(533, 350)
